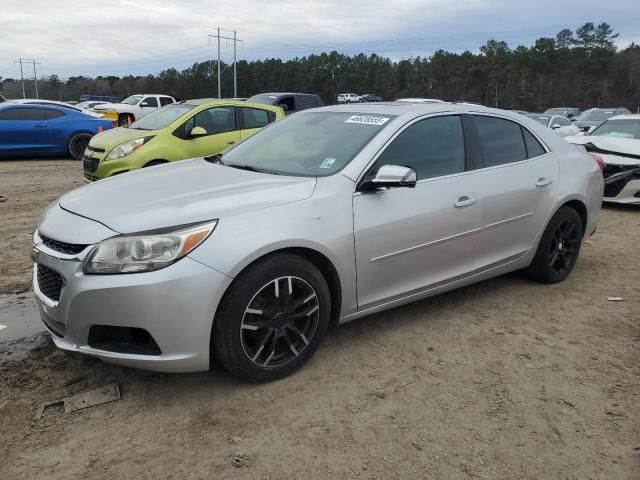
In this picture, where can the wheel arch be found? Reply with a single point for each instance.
(321, 262)
(162, 160)
(580, 207)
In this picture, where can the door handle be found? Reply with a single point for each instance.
(231, 143)
(464, 202)
(40, 125)
(543, 182)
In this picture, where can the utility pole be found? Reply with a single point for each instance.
(35, 77)
(24, 95)
(235, 40)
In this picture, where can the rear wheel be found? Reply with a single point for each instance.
(559, 247)
(78, 144)
(153, 163)
(272, 319)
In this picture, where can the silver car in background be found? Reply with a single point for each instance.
(327, 216)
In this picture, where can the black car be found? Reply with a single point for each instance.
(289, 102)
(368, 97)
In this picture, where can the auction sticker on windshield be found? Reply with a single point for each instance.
(367, 120)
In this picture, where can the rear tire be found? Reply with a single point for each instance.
(78, 144)
(558, 249)
(272, 319)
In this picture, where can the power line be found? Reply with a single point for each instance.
(35, 77)
(235, 40)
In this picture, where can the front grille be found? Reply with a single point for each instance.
(90, 164)
(49, 282)
(95, 149)
(62, 247)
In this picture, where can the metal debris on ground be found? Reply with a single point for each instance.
(92, 398)
(615, 299)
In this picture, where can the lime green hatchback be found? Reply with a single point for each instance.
(193, 128)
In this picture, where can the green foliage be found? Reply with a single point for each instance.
(581, 69)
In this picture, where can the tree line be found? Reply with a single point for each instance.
(581, 68)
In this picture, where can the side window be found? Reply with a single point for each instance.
(287, 104)
(563, 122)
(23, 114)
(433, 147)
(213, 120)
(501, 141)
(165, 101)
(150, 102)
(534, 149)
(51, 114)
(255, 117)
(305, 101)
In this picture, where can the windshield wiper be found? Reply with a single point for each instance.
(251, 168)
(217, 158)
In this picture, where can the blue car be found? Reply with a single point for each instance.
(46, 130)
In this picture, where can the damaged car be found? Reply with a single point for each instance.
(616, 143)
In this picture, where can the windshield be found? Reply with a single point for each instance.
(314, 144)
(542, 120)
(132, 100)
(596, 115)
(162, 117)
(264, 98)
(619, 128)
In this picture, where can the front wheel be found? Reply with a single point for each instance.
(559, 247)
(78, 144)
(272, 319)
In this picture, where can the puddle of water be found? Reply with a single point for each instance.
(18, 316)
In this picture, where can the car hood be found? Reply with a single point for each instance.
(115, 136)
(180, 193)
(617, 150)
(110, 106)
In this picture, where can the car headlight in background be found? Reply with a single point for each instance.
(145, 252)
(127, 148)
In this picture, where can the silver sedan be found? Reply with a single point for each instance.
(332, 214)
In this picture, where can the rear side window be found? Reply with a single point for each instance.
(433, 147)
(534, 149)
(51, 114)
(502, 141)
(306, 101)
(23, 114)
(165, 101)
(256, 118)
(150, 102)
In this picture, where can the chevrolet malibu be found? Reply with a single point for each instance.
(332, 214)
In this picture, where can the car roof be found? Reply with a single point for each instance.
(412, 109)
(225, 101)
(632, 116)
(284, 93)
(48, 106)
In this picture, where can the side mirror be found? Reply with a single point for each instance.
(144, 104)
(284, 106)
(391, 176)
(555, 126)
(197, 132)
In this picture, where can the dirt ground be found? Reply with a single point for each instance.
(506, 379)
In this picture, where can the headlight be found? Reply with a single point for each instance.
(127, 148)
(145, 252)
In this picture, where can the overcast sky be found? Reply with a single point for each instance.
(119, 37)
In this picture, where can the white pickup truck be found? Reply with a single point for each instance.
(133, 108)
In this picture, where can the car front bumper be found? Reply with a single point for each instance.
(175, 305)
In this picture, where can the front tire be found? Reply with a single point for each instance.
(78, 144)
(558, 249)
(272, 319)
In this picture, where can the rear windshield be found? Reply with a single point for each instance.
(264, 99)
(542, 120)
(163, 117)
(619, 128)
(596, 115)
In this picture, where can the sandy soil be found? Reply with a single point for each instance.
(506, 379)
(28, 186)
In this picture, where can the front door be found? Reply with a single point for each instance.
(220, 132)
(25, 129)
(407, 239)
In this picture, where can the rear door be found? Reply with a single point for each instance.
(253, 119)
(24, 129)
(221, 131)
(408, 239)
(518, 185)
